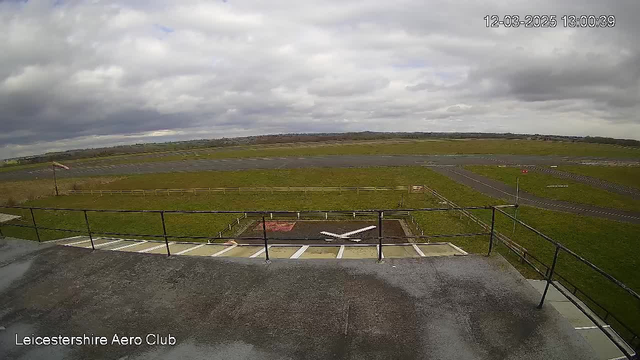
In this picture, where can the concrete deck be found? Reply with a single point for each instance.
(455, 307)
(603, 346)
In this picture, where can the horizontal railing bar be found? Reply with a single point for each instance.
(523, 258)
(583, 260)
(57, 229)
(529, 255)
(593, 319)
(263, 212)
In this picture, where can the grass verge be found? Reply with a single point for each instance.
(623, 175)
(536, 183)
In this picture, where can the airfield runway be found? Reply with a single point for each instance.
(449, 165)
(341, 161)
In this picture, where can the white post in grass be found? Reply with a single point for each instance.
(515, 214)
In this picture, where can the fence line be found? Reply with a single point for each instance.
(224, 190)
(379, 213)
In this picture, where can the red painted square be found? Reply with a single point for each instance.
(276, 226)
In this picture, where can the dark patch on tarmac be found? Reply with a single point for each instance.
(441, 308)
(305, 231)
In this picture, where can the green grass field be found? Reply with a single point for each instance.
(606, 243)
(381, 147)
(536, 183)
(623, 175)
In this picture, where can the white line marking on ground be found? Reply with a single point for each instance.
(340, 252)
(69, 238)
(153, 248)
(126, 246)
(417, 249)
(299, 252)
(591, 327)
(77, 242)
(224, 250)
(189, 249)
(110, 242)
(457, 248)
(259, 252)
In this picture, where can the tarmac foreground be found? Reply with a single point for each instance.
(455, 307)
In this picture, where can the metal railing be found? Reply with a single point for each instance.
(378, 214)
(633, 340)
(270, 214)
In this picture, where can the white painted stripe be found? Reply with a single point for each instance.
(591, 327)
(110, 242)
(189, 249)
(152, 248)
(259, 252)
(417, 249)
(77, 242)
(224, 250)
(340, 252)
(69, 238)
(621, 358)
(130, 245)
(457, 248)
(299, 252)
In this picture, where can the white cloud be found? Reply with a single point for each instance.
(81, 74)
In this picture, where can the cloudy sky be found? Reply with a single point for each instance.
(77, 74)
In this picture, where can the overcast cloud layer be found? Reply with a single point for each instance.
(96, 73)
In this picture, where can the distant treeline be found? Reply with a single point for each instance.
(300, 138)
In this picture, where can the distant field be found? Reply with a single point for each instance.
(520, 147)
(536, 184)
(608, 244)
(380, 147)
(623, 175)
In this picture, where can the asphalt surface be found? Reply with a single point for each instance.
(503, 191)
(80, 170)
(470, 307)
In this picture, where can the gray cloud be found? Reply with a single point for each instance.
(78, 74)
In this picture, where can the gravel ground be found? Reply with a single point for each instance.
(470, 307)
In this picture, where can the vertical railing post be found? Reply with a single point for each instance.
(1, 234)
(164, 233)
(379, 236)
(550, 277)
(35, 227)
(264, 236)
(86, 220)
(493, 223)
